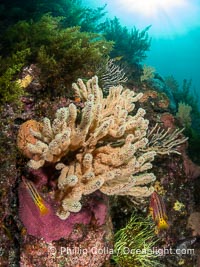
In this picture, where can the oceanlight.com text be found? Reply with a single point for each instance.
(126, 251)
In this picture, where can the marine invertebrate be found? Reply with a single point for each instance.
(105, 147)
(148, 94)
(148, 73)
(164, 101)
(92, 250)
(184, 114)
(25, 137)
(168, 121)
(178, 206)
(135, 242)
(194, 223)
(112, 74)
(24, 82)
(43, 225)
(164, 141)
(192, 170)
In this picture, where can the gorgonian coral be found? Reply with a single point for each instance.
(184, 114)
(101, 150)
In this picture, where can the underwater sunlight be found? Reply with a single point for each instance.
(175, 31)
(167, 17)
(152, 7)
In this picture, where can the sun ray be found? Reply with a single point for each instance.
(167, 17)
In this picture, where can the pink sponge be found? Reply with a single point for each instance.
(49, 226)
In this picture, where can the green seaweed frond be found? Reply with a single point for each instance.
(10, 90)
(135, 242)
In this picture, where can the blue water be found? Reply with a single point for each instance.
(175, 33)
(179, 57)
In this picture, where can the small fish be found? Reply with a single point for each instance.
(38, 200)
(158, 211)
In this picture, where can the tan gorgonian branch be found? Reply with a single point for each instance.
(95, 163)
(164, 142)
(113, 75)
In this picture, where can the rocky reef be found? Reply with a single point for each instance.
(105, 147)
(78, 155)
